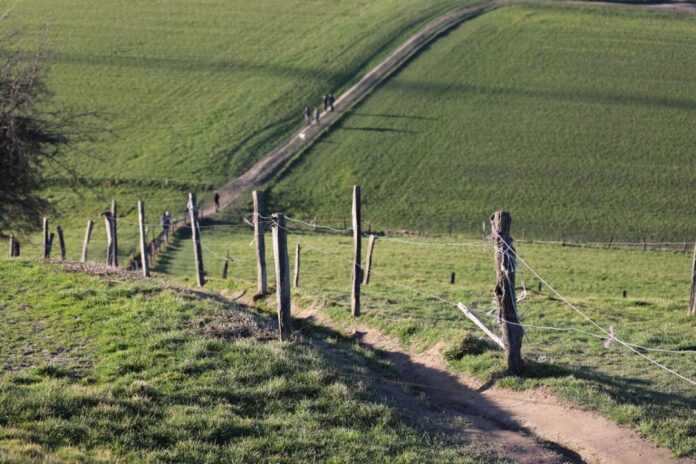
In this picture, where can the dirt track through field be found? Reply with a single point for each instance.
(505, 418)
(497, 415)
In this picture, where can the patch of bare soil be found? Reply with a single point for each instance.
(504, 418)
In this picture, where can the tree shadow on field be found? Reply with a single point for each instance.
(393, 116)
(379, 129)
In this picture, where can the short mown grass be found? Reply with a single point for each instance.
(107, 369)
(574, 365)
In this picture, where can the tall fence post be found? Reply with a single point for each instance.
(226, 265)
(282, 268)
(143, 240)
(12, 246)
(357, 239)
(108, 225)
(45, 239)
(692, 299)
(195, 235)
(296, 280)
(61, 242)
(506, 261)
(114, 233)
(85, 242)
(368, 260)
(260, 242)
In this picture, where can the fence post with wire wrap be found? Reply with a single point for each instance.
(357, 237)
(282, 268)
(195, 236)
(260, 243)
(143, 240)
(505, 263)
(692, 299)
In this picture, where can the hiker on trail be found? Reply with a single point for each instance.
(317, 114)
(331, 99)
(326, 101)
(165, 222)
(216, 199)
(308, 115)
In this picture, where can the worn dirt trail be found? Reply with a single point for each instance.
(578, 435)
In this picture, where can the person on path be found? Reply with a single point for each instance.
(308, 115)
(165, 222)
(331, 100)
(317, 115)
(326, 101)
(216, 199)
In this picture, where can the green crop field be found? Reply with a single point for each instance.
(574, 365)
(106, 370)
(577, 119)
(192, 93)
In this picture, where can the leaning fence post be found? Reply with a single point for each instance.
(506, 262)
(260, 243)
(85, 242)
(368, 260)
(282, 268)
(143, 240)
(357, 238)
(61, 242)
(51, 237)
(296, 280)
(692, 299)
(45, 239)
(195, 235)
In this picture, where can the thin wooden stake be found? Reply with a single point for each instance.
(645, 244)
(12, 246)
(505, 289)
(260, 242)
(282, 268)
(195, 236)
(226, 265)
(469, 313)
(46, 253)
(51, 237)
(368, 261)
(61, 242)
(357, 238)
(114, 233)
(611, 240)
(692, 299)
(85, 242)
(109, 238)
(452, 278)
(144, 264)
(296, 280)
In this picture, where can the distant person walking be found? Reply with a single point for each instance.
(317, 115)
(331, 100)
(326, 101)
(165, 222)
(216, 199)
(307, 115)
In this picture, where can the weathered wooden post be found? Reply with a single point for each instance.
(611, 240)
(143, 240)
(368, 261)
(16, 249)
(61, 242)
(195, 235)
(692, 300)
(260, 242)
(282, 268)
(85, 242)
(108, 225)
(357, 239)
(12, 246)
(226, 265)
(296, 280)
(453, 276)
(505, 263)
(114, 233)
(46, 253)
(51, 237)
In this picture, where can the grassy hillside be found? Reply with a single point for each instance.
(193, 92)
(111, 370)
(573, 364)
(577, 119)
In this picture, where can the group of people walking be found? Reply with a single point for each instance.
(315, 115)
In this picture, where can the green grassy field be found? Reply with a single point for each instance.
(574, 365)
(114, 370)
(192, 93)
(577, 119)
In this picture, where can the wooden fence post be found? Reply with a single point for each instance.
(611, 240)
(506, 261)
(296, 280)
(109, 238)
(357, 239)
(12, 246)
(368, 261)
(16, 249)
(692, 299)
(282, 268)
(61, 242)
(45, 239)
(453, 276)
(85, 242)
(226, 265)
(143, 240)
(260, 242)
(114, 233)
(51, 237)
(195, 235)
